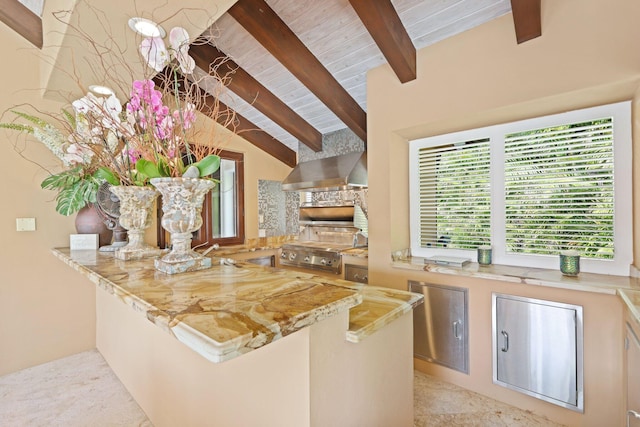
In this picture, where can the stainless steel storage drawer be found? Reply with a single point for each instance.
(537, 349)
(440, 332)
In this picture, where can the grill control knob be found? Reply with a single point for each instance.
(307, 258)
(292, 256)
(283, 255)
(323, 261)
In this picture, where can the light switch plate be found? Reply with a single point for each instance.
(25, 224)
(80, 242)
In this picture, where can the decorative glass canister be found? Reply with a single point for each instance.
(570, 263)
(484, 255)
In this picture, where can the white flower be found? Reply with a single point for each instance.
(78, 154)
(52, 138)
(155, 52)
(112, 107)
(179, 41)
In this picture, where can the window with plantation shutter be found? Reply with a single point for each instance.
(559, 189)
(530, 189)
(454, 194)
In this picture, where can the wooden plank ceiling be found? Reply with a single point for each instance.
(299, 66)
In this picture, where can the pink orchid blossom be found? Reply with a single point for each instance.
(186, 116)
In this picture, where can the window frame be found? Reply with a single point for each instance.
(622, 148)
(202, 237)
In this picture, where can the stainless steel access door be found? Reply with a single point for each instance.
(537, 349)
(440, 332)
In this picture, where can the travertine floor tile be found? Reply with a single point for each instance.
(79, 390)
(441, 404)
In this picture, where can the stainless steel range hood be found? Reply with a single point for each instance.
(331, 173)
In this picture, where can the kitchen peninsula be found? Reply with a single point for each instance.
(244, 345)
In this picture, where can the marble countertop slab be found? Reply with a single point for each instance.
(380, 306)
(227, 251)
(235, 307)
(357, 252)
(631, 299)
(587, 282)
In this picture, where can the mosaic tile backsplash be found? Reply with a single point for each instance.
(342, 141)
(278, 209)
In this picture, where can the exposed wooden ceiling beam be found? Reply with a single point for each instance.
(268, 29)
(254, 93)
(241, 126)
(22, 20)
(383, 23)
(526, 19)
(256, 136)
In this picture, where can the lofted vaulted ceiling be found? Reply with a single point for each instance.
(300, 66)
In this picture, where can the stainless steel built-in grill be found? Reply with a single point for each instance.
(303, 255)
(328, 230)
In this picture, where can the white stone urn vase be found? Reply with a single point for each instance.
(136, 208)
(182, 200)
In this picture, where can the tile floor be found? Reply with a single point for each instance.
(441, 404)
(81, 390)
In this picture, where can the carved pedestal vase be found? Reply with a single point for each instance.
(182, 200)
(136, 208)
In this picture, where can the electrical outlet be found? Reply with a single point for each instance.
(262, 232)
(25, 224)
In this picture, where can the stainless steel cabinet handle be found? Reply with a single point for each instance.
(505, 346)
(456, 333)
(632, 413)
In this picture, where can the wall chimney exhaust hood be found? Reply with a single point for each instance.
(330, 173)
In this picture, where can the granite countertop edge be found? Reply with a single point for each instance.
(395, 303)
(586, 282)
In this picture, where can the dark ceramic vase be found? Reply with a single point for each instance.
(89, 221)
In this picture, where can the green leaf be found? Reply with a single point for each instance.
(75, 189)
(61, 180)
(33, 119)
(107, 175)
(70, 118)
(18, 127)
(148, 168)
(70, 200)
(163, 167)
(208, 165)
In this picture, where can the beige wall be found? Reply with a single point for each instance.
(587, 56)
(47, 311)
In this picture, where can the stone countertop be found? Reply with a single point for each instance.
(379, 307)
(235, 307)
(586, 282)
(631, 299)
(228, 251)
(362, 252)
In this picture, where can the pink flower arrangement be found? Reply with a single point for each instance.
(153, 134)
